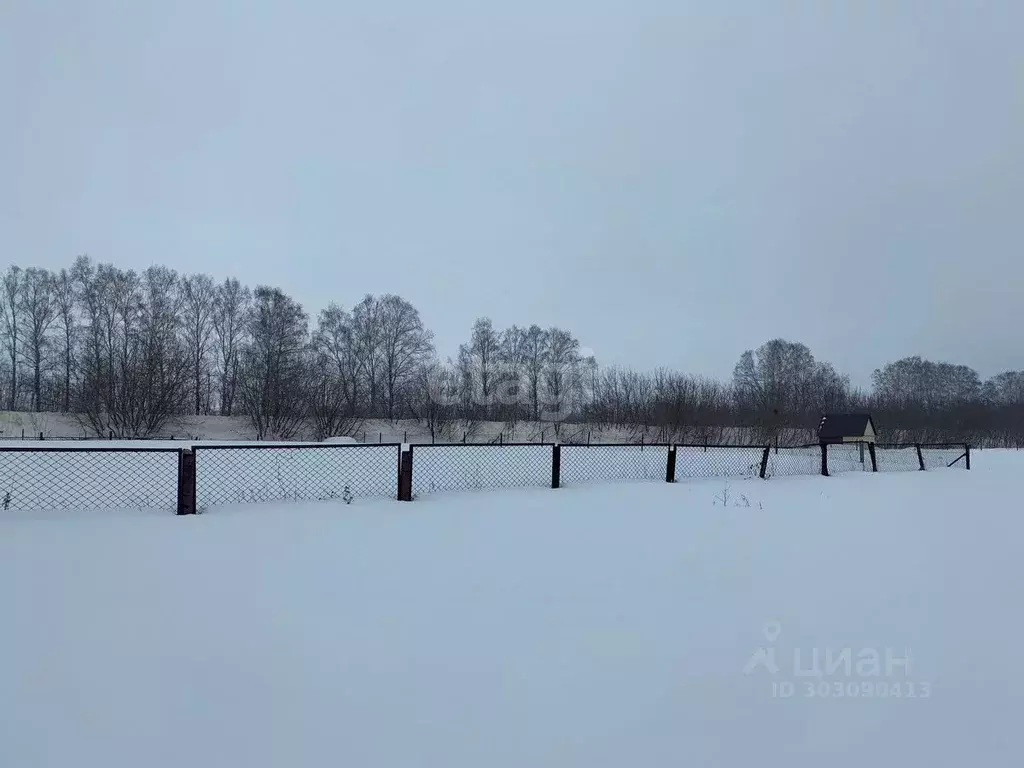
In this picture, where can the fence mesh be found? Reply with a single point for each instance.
(897, 458)
(88, 478)
(589, 463)
(848, 457)
(461, 467)
(943, 456)
(718, 461)
(802, 460)
(240, 474)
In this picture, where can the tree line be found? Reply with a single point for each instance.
(127, 352)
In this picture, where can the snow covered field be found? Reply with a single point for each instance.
(605, 625)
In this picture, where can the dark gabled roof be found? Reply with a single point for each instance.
(844, 425)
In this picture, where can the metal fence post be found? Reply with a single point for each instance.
(405, 476)
(967, 448)
(824, 459)
(556, 465)
(186, 482)
(920, 457)
(670, 469)
(764, 460)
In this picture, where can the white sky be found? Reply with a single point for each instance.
(674, 182)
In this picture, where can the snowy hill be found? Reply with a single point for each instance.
(15, 424)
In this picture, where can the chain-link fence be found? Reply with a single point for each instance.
(856, 457)
(589, 463)
(848, 457)
(698, 461)
(942, 456)
(88, 478)
(228, 474)
(161, 478)
(464, 467)
(897, 458)
(799, 460)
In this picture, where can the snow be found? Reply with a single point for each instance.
(341, 440)
(599, 625)
(15, 424)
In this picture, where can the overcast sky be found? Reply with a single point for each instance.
(674, 182)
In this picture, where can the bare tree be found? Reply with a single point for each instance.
(10, 304)
(65, 299)
(510, 389)
(405, 345)
(332, 414)
(335, 399)
(198, 296)
(368, 340)
(479, 360)
(433, 399)
(161, 391)
(562, 378)
(338, 352)
(782, 385)
(230, 316)
(274, 365)
(38, 309)
(535, 357)
(135, 367)
(923, 401)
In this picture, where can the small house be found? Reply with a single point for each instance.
(846, 428)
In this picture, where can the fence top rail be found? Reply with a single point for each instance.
(476, 445)
(921, 445)
(290, 447)
(721, 445)
(616, 445)
(82, 449)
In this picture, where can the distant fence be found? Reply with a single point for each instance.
(836, 458)
(191, 479)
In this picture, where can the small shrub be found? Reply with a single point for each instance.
(723, 497)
